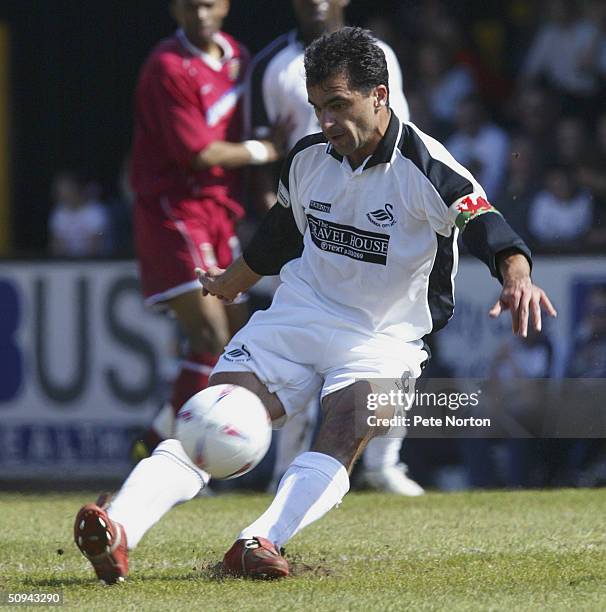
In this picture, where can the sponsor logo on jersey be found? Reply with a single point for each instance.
(382, 217)
(319, 206)
(349, 241)
(238, 354)
(469, 207)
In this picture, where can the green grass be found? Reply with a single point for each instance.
(469, 551)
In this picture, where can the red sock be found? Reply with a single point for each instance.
(193, 377)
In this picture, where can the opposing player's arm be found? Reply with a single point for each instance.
(277, 241)
(173, 106)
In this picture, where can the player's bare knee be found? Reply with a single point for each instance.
(344, 431)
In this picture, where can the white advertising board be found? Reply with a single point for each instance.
(80, 366)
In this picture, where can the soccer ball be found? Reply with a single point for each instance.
(225, 430)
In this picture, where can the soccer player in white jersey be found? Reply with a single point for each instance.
(275, 90)
(364, 234)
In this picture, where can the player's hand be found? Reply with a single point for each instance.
(524, 300)
(211, 281)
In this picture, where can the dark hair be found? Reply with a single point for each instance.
(350, 51)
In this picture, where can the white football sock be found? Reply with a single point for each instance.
(156, 484)
(382, 452)
(312, 485)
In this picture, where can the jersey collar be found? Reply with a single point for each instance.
(212, 62)
(385, 149)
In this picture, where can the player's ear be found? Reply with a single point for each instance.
(381, 96)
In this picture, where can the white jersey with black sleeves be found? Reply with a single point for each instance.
(276, 89)
(380, 242)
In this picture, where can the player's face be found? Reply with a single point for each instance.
(316, 17)
(350, 119)
(200, 19)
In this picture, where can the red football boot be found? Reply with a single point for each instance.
(102, 541)
(256, 558)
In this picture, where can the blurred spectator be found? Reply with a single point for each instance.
(591, 176)
(78, 224)
(561, 214)
(572, 143)
(478, 143)
(522, 183)
(120, 209)
(420, 113)
(563, 54)
(588, 358)
(534, 111)
(443, 82)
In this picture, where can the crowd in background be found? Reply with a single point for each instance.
(519, 103)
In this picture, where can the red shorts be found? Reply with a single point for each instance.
(174, 236)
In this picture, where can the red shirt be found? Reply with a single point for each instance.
(185, 100)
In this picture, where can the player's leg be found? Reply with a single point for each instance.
(314, 483)
(383, 469)
(198, 234)
(155, 485)
(293, 439)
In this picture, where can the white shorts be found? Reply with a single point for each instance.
(298, 350)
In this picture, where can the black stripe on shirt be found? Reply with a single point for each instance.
(448, 182)
(304, 143)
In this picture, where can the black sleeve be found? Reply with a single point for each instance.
(275, 243)
(488, 235)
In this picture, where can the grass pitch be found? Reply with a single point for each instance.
(464, 551)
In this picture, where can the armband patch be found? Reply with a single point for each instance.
(469, 207)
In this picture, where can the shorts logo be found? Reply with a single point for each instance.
(238, 354)
(319, 206)
(382, 217)
(349, 241)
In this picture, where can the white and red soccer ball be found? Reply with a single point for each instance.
(225, 430)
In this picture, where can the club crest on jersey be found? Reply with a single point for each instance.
(382, 217)
(238, 354)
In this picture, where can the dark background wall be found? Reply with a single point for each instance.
(73, 68)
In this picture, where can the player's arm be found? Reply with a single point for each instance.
(235, 154)
(278, 240)
(172, 105)
(491, 239)
(456, 199)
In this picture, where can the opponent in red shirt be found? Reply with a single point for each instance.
(185, 155)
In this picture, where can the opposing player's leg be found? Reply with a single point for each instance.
(197, 234)
(205, 324)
